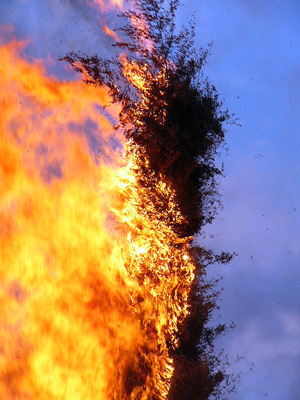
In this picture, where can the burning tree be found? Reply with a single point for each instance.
(103, 295)
(173, 122)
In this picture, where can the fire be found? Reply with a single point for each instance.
(104, 4)
(110, 33)
(65, 311)
(94, 282)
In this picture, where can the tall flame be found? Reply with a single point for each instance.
(93, 282)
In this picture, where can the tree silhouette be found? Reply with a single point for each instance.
(175, 119)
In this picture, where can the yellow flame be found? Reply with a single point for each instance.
(63, 310)
(93, 281)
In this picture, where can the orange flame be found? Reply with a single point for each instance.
(93, 282)
(63, 308)
(105, 3)
(110, 33)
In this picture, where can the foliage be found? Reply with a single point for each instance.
(175, 117)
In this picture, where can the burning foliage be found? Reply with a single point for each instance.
(103, 295)
(174, 125)
(169, 111)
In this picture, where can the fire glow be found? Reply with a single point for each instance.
(93, 282)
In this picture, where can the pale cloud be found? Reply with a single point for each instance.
(291, 325)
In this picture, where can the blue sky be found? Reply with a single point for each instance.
(255, 65)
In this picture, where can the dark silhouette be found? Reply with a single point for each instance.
(175, 119)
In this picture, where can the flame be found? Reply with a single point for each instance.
(142, 26)
(110, 33)
(64, 316)
(104, 4)
(94, 282)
